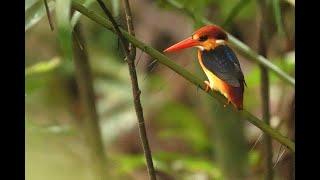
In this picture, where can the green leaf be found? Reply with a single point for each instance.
(235, 11)
(35, 13)
(188, 163)
(76, 16)
(50, 129)
(116, 7)
(242, 9)
(128, 163)
(64, 27)
(254, 157)
(29, 3)
(184, 124)
(43, 67)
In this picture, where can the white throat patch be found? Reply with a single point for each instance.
(220, 42)
(200, 47)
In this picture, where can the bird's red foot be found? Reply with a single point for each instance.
(207, 83)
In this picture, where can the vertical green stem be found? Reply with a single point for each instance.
(265, 87)
(90, 123)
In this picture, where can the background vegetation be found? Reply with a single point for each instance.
(190, 135)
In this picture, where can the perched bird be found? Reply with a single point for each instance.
(218, 62)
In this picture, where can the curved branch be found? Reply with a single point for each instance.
(187, 75)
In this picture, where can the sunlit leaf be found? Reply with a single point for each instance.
(43, 67)
(35, 13)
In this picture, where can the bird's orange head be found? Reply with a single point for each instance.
(205, 38)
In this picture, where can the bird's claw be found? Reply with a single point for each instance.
(207, 83)
(225, 105)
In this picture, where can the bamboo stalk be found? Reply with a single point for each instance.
(265, 98)
(266, 24)
(90, 122)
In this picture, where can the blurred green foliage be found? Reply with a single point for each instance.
(179, 128)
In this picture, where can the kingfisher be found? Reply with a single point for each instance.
(218, 61)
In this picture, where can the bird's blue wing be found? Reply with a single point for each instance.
(223, 63)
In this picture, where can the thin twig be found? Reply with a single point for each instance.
(278, 160)
(278, 156)
(256, 142)
(48, 14)
(187, 75)
(130, 27)
(135, 86)
(137, 63)
(115, 27)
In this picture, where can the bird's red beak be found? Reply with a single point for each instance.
(189, 42)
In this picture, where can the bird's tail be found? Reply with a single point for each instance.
(236, 96)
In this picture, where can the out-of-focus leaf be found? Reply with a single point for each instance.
(179, 162)
(286, 63)
(76, 16)
(128, 163)
(35, 13)
(115, 105)
(29, 3)
(254, 157)
(277, 16)
(184, 124)
(198, 8)
(247, 12)
(115, 7)
(64, 27)
(292, 2)
(43, 67)
(51, 129)
(235, 11)
(33, 83)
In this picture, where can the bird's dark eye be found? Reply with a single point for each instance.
(203, 38)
